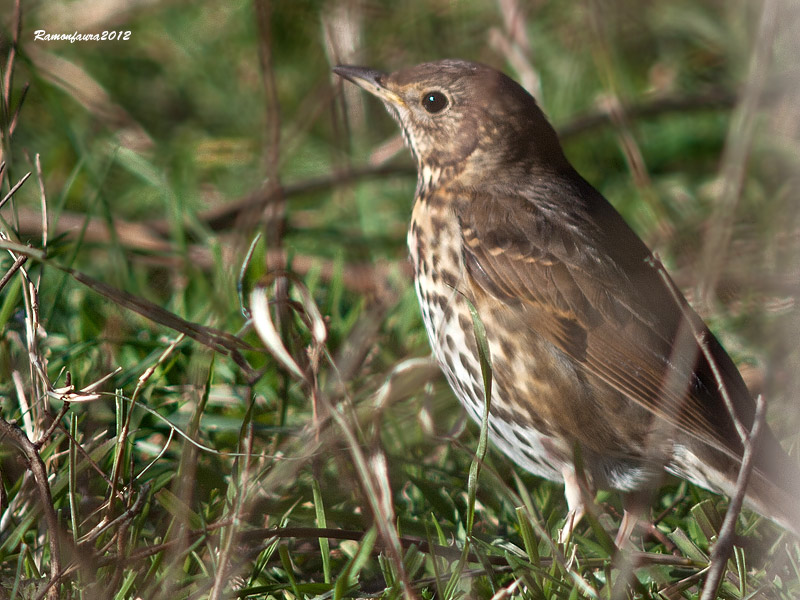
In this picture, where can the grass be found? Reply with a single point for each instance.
(203, 465)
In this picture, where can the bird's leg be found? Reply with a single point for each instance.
(634, 506)
(576, 501)
(626, 527)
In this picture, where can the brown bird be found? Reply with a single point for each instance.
(594, 352)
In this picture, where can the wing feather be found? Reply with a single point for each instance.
(595, 292)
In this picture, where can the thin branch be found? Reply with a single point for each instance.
(275, 214)
(216, 339)
(220, 341)
(15, 119)
(18, 262)
(16, 436)
(711, 100)
(12, 54)
(123, 434)
(513, 44)
(700, 338)
(126, 516)
(53, 426)
(13, 190)
(267, 535)
(124, 521)
(727, 534)
(226, 216)
(229, 536)
(737, 151)
(8, 80)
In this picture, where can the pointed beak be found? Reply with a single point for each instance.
(370, 80)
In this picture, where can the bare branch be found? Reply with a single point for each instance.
(18, 262)
(16, 436)
(737, 152)
(722, 549)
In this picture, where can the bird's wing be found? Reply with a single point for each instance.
(591, 287)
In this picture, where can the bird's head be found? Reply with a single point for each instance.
(456, 114)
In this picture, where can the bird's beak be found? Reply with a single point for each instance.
(370, 80)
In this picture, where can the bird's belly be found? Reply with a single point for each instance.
(451, 335)
(448, 323)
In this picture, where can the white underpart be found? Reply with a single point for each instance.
(687, 465)
(428, 177)
(521, 444)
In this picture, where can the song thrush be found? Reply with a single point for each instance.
(592, 347)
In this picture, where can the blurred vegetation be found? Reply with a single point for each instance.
(160, 170)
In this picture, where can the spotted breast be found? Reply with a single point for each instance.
(440, 278)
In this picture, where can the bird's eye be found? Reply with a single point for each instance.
(434, 102)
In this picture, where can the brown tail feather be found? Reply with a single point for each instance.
(774, 487)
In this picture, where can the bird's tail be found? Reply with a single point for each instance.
(774, 486)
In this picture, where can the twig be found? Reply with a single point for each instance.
(126, 516)
(15, 119)
(229, 537)
(737, 150)
(123, 434)
(362, 278)
(514, 45)
(121, 534)
(727, 533)
(13, 190)
(18, 262)
(219, 341)
(275, 215)
(53, 426)
(711, 100)
(12, 54)
(36, 465)
(699, 336)
(448, 552)
(227, 215)
(8, 80)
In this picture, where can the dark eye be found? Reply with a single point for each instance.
(434, 101)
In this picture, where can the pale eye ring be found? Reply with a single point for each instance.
(434, 101)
